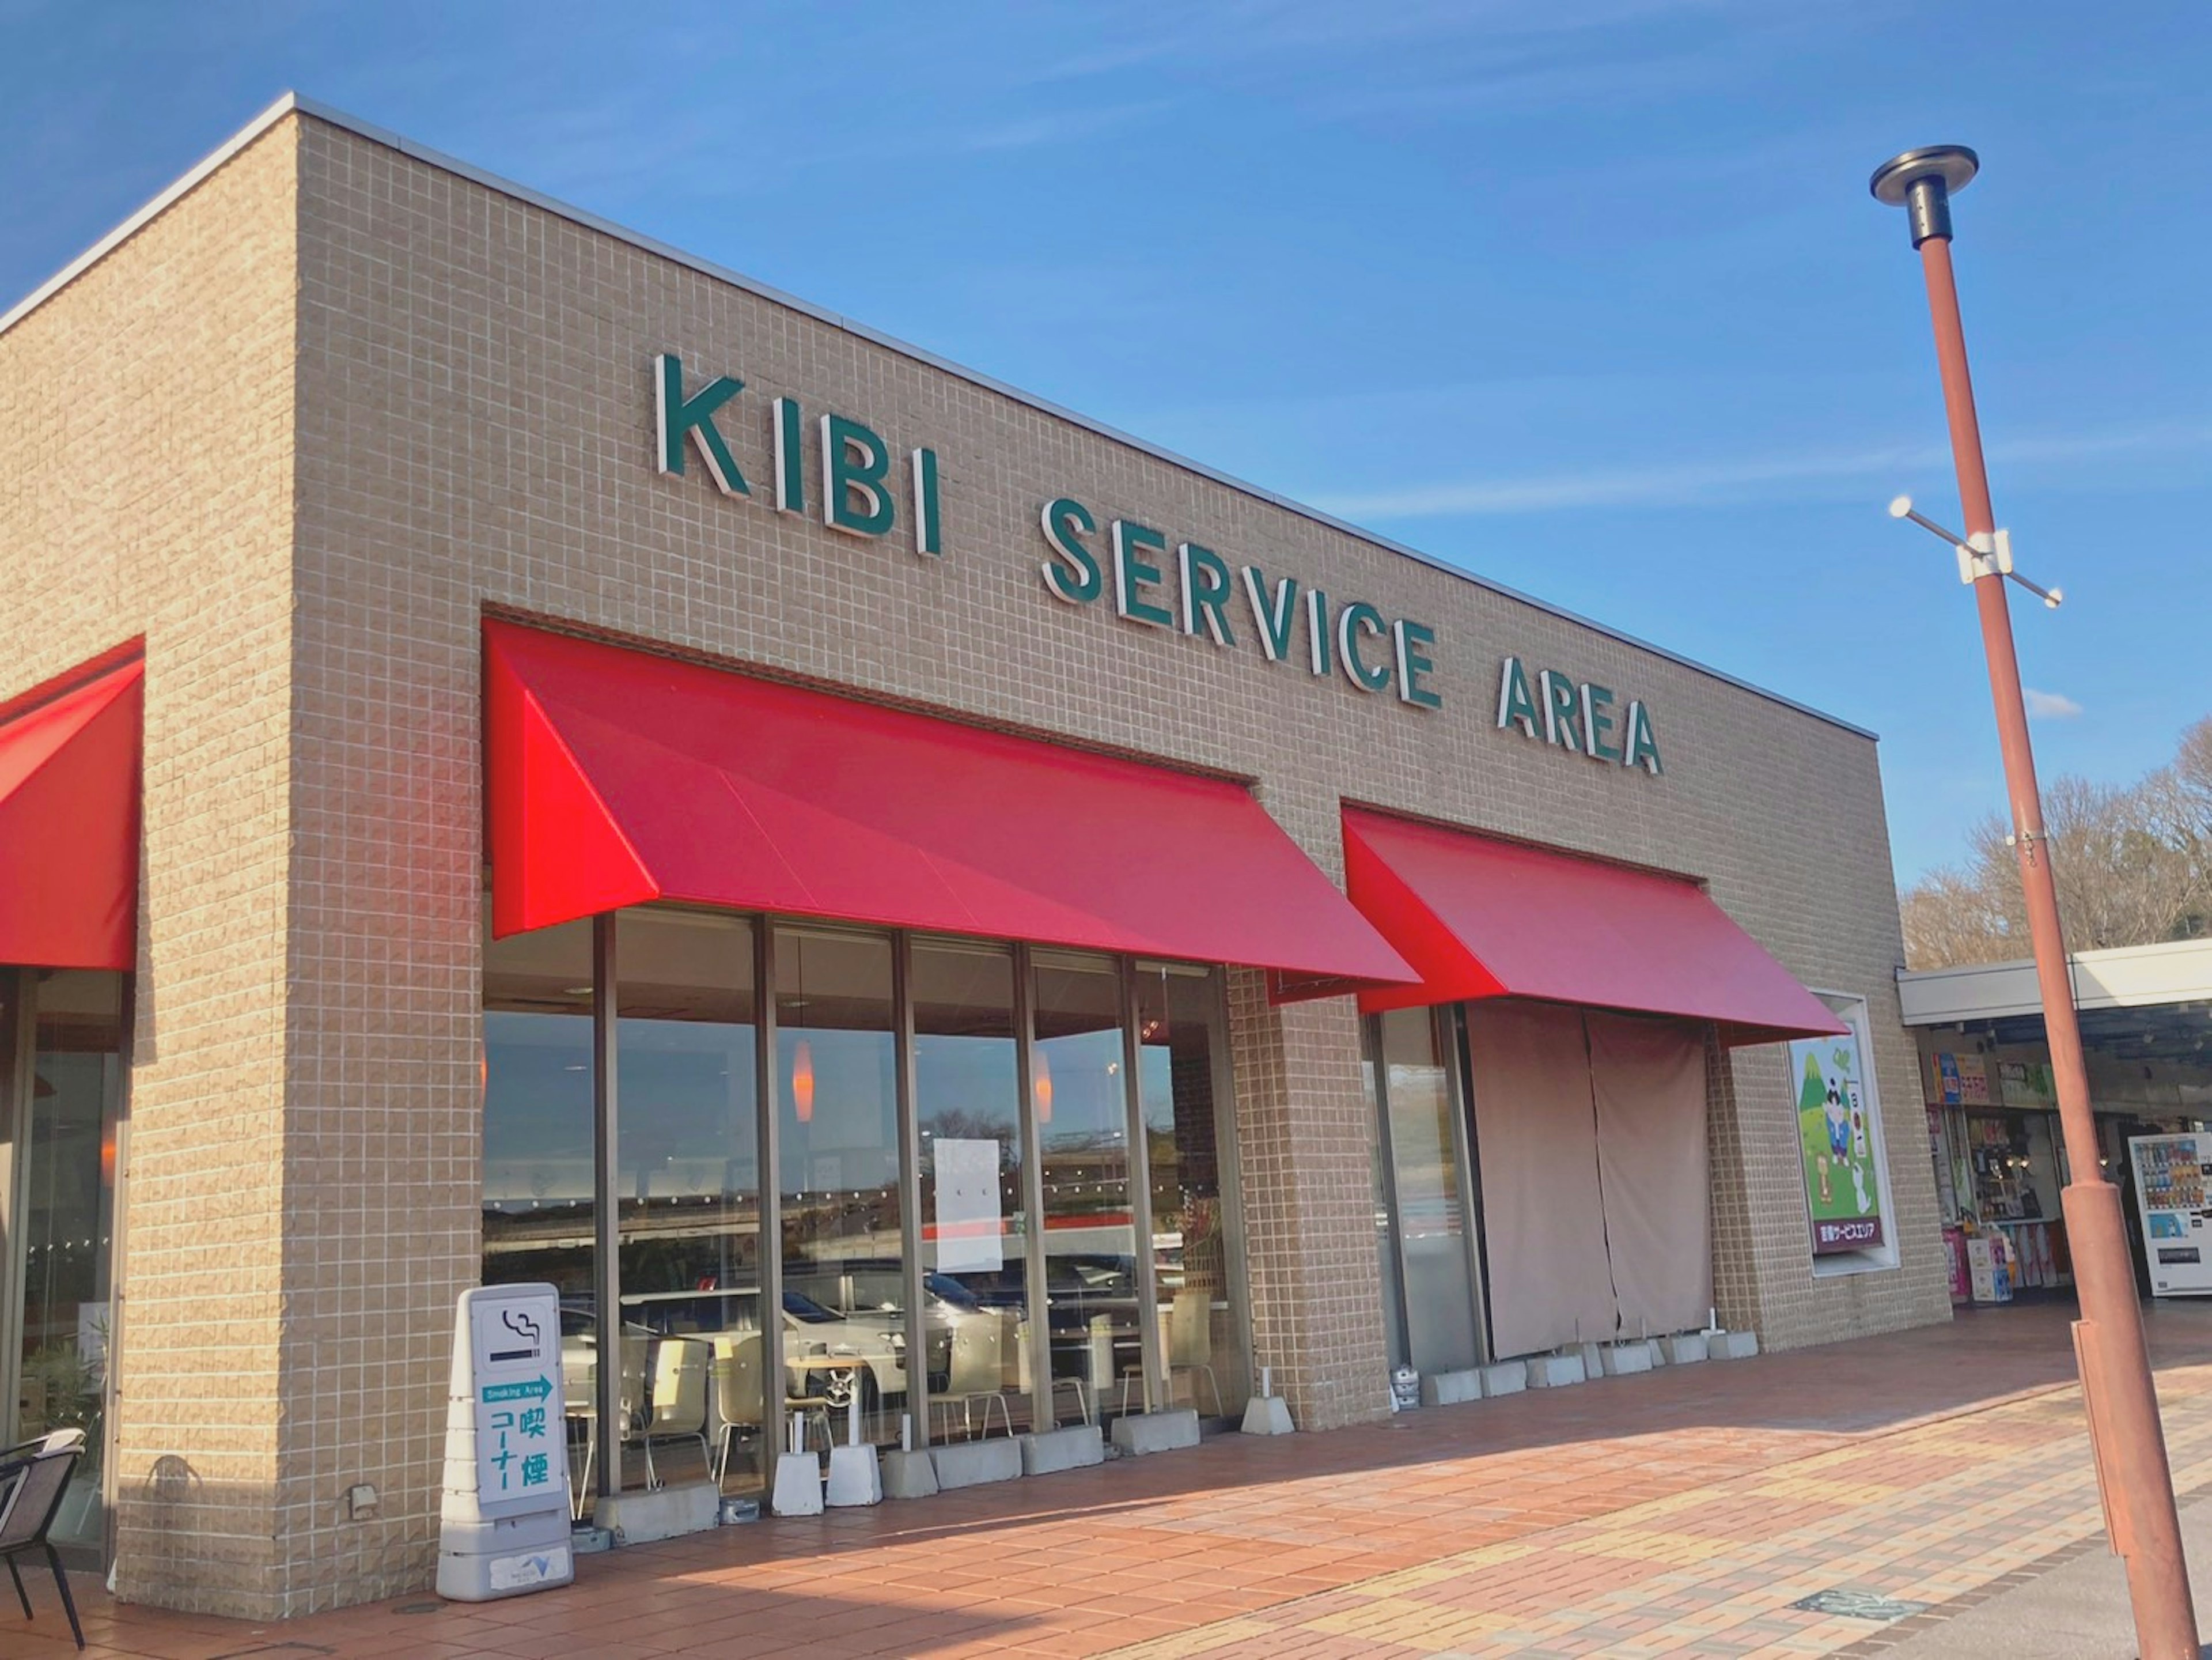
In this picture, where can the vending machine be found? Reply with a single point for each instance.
(2177, 1221)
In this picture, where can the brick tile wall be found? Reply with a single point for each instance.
(467, 422)
(146, 414)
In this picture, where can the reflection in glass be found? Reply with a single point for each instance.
(1090, 1253)
(844, 1309)
(539, 1166)
(975, 1237)
(689, 1146)
(68, 1193)
(1386, 1239)
(537, 1174)
(1002, 1350)
(1201, 1332)
(1432, 1229)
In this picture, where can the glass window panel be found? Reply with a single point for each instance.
(1090, 1253)
(69, 1212)
(1386, 1237)
(844, 1314)
(1202, 1326)
(538, 1183)
(1432, 1225)
(537, 1209)
(689, 1148)
(974, 1235)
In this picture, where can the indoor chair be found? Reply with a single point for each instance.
(676, 1410)
(1190, 1344)
(740, 1397)
(978, 1372)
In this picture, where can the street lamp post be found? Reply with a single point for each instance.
(2125, 1435)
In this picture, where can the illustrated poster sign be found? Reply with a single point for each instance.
(1841, 1184)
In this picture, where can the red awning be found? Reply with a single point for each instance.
(1485, 918)
(615, 777)
(69, 818)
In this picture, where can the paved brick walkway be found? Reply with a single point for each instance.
(1678, 1513)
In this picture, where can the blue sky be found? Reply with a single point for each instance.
(1586, 296)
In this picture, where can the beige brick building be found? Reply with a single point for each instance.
(329, 408)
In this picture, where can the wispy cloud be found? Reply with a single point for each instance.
(2050, 705)
(1676, 484)
(1055, 128)
(1454, 59)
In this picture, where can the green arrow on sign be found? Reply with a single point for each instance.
(538, 1388)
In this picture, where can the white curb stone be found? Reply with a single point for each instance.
(909, 1475)
(1621, 1359)
(1555, 1372)
(1139, 1433)
(972, 1463)
(1449, 1388)
(1049, 1451)
(1507, 1378)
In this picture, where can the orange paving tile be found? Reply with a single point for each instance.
(1677, 1513)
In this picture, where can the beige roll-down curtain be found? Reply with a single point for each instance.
(1648, 1079)
(1536, 1137)
(1590, 1128)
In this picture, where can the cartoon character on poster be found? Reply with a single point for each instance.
(1840, 1179)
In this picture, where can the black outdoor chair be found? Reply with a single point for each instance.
(33, 1478)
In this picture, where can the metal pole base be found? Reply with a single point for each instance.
(2125, 1438)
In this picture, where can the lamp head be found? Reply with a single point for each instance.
(1921, 182)
(1900, 506)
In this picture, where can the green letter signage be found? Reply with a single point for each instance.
(1642, 746)
(790, 459)
(1597, 720)
(1514, 707)
(1319, 660)
(928, 532)
(1558, 709)
(676, 416)
(857, 492)
(1375, 651)
(1578, 716)
(854, 462)
(1078, 580)
(1408, 639)
(1356, 619)
(1274, 618)
(1134, 574)
(1205, 592)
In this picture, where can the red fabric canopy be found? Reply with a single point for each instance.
(69, 817)
(615, 777)
(1483, 918)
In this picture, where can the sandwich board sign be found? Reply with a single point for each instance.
(504, 1521)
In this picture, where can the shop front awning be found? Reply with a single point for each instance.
(615, 777)
(1479, 917)
(69, 817)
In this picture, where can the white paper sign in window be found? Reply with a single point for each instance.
(969, 1227)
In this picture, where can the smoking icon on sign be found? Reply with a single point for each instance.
(523, 1327)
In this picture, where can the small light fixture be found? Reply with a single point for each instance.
(802, 1081)
(802, 1053)
(1042, 1087)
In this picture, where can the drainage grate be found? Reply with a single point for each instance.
(1859, 1605)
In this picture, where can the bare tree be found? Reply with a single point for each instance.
(2133, 864)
